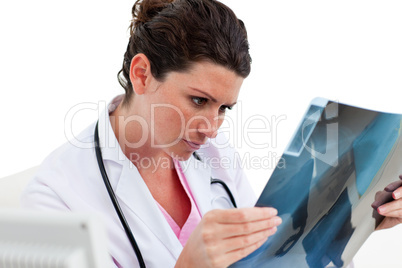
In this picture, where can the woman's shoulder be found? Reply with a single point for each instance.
(64, 176)
(76, 148)
(65, 160)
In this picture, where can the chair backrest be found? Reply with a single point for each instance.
(12, 186)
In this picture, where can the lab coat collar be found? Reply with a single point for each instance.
(110, 146)
(198, 176)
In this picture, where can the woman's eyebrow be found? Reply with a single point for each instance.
(209, 96)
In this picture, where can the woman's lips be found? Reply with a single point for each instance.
(193, 145)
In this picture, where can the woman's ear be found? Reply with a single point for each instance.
(140, 73)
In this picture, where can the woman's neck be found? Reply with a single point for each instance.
(135, 141)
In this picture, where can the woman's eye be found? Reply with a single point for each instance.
(199, 101)
(223, 108)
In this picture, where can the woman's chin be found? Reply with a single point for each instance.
(183, 156)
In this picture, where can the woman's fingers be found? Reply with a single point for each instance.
(237, 229)
(225, 231)
(393, 191)
(225, 236)
(397, 194)
(391, 209)
(222, 224)
(240, 253)
(381, 198)
(243, 214)
(244, 241)
(393, 186)
(224, 260)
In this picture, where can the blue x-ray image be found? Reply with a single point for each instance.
(325, 188)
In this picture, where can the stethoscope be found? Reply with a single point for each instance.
(117, 207)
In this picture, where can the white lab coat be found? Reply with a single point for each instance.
(69, 179)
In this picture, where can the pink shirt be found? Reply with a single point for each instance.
(193, 218)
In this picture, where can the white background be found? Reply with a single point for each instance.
(55, 55)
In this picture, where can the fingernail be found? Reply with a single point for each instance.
(273, 211)
(396, 195)
(278, 221)
(381, 210)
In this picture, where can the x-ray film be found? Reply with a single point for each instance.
(342, 163)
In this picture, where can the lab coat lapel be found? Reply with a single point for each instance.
(198, 176)
(135, 195)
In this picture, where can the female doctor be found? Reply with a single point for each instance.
(170, 186)
(184, 66)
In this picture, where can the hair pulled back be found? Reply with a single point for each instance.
(174, 34)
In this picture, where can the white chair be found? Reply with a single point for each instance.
(12, 186)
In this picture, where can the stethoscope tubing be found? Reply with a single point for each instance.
(115, 202)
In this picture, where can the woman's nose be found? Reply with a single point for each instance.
(209, 126)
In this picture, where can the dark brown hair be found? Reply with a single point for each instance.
(174, 34)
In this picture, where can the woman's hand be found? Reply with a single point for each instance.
(392, 210)
(226, 236)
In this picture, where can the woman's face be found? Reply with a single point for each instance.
(188, 107)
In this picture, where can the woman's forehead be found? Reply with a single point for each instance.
(215, 80)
